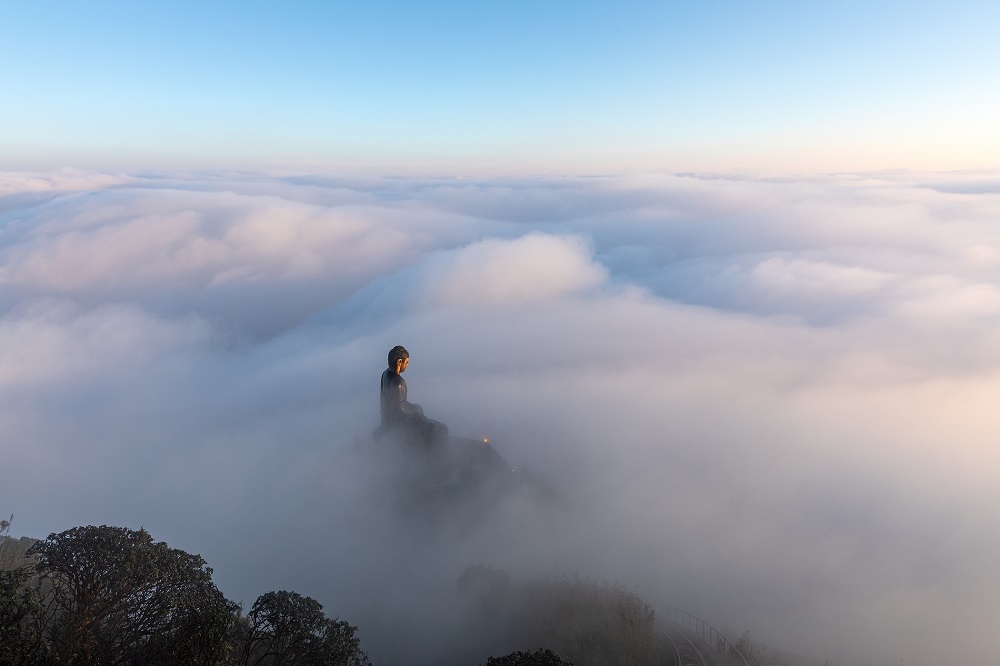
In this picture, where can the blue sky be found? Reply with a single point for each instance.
(581, 86)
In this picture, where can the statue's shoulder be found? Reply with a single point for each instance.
(390, 378)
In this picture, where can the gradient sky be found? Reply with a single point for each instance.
(564, 86)
(207, 247)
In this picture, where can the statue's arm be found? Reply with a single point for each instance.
(412, 408)
(396, 394)
(394, 397)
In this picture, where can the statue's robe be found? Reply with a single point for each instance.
(402, 416)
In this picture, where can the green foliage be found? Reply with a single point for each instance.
(590, 623)
(759, 654)
(481, 582)
(6, 550)
(288, 628)
(20, 609)
(110, 595)
(12, 551)
(21, 630)
(584, 621)
(754, 654)
(538, 658)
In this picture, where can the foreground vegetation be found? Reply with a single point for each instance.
(585, 622)
(110, 595)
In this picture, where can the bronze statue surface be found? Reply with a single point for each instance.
(399, 415)
(430, 472)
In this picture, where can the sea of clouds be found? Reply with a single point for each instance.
(770, 401)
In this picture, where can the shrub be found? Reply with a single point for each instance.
(581, 620)
(538, 658)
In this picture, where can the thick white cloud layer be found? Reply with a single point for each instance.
(529, 269)
(771, 402)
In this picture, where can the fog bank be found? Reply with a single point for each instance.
(767, 401)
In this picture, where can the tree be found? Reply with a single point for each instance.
(12, 551)
(584, 621)
(20, 609)
(537, 658)
(751, 653)
(16, 612)
(111, 595)
(288, 628)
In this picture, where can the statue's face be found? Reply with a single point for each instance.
(401, 364)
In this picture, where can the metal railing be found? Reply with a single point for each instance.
(722, 646)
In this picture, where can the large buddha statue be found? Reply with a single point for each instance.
(399, 416)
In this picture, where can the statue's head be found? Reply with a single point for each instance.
(398, 355)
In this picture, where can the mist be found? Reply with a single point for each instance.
(770, 402)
